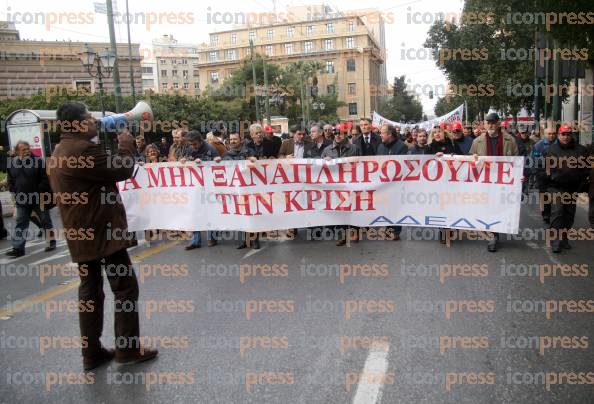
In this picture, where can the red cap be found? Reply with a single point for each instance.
(444, 125)
(457, 125)
(343, 127)
(268, 129)
(505, 124)
(565, 128)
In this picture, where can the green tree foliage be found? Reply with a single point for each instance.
(403, 106)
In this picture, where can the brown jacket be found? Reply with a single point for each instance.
(98, 226)
(217, 144)
(288, 147)
(479, 145)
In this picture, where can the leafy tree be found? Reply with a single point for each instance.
(402, 106)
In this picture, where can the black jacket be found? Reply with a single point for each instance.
(446, 147)
(26, 179)
(416, 149)
(240, 154)
(271, 146)
(206, 152)
(567, 175)
(368, 149)
(258, 149)
(393, 148)
(312, 151)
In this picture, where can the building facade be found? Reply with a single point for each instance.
(54, 67)
(350, 48)
(174, 67)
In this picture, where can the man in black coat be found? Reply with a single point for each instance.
(367, 142)
(391, 145)
(564, 180)
(28, 182)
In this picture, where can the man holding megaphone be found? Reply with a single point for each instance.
(104, 219)
(113, 123)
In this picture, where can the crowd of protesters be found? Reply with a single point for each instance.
(363, 138)
(492, 137)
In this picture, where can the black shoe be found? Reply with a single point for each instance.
(3, 235)
(242, 246)
(15, 253)
(556, 246)
(492, 246)
(256, 245)
(131, 358)
(192, 247)
(51, 247)
(546, 219)
(104, 356)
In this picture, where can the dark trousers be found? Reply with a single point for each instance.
(122, 280)
(591, 196)
(542, 190)
(562, 214)
(21, 230)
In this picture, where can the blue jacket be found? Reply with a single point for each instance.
(536, 162)
(464, 144)
(394, 148)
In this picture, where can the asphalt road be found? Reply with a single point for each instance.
(299, 322)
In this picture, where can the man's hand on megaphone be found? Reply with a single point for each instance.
(126, 141)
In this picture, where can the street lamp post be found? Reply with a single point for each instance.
(99, 65)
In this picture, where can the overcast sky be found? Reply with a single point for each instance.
(401, 34)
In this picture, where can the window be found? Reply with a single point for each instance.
(231, 54)
(269, 50)
(196, 86)
(352, 88)
(308, 46)
(329, 44)
(147, 83)
(248, 51)
(350, 42)
(163, 73)
(329, 66)
(84, 85)
(185, 74)
(233, 39)
(288, 49)
(196, 73)
(352, 108)
(147, 69)
(163, 61)
(252, 36)
(330, 27)
(350, 65)
(174, 73)
(214, 40)
(212, 56)
(290, 32)
(351, 26)
(214, 77)
(184, 61)
(330, 89)
(175, 85)
(173, 61)
(270, 34)
(164, 85)
(309, 30)
(186, 86)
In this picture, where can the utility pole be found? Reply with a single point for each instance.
(116, 70)
(257, 100)
(536, 80)
(556, 96)
(302, 89)
(130, 57)
(266, 100)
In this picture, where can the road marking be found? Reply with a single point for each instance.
(8, 311)
(375, 364)
(253, 252)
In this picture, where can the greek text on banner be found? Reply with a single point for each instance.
(425, 191)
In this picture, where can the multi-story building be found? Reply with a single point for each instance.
(175, 66)
(54, 67)
(350, 46)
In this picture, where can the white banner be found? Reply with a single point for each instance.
(455, 115)
(425, 191)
